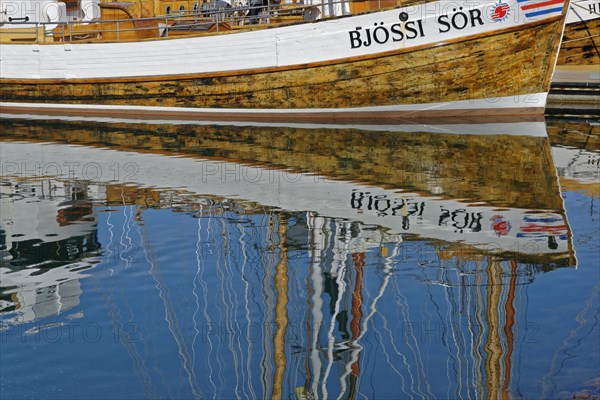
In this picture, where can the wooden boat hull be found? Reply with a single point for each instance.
(504, 70)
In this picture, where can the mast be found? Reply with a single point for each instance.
(508, 327)
(249, 324)
(170, 317)
(493, 347)
(359, 325)
(317, 244)
(337, 292)
(269, 300)
(480, 323)
(281, 315)
(357, 314)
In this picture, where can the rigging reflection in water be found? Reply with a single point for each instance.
(300, 262)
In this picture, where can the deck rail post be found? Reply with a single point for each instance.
(269, 13)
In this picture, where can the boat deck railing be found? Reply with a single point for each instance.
(195, 22)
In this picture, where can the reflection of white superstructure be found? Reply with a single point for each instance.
(577, 164)
(46, 229)
(39, 210)
(32, 297)
(497, 230)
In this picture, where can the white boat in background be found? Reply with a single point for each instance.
(576, 79)
(579, 56)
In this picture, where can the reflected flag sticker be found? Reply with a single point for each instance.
(500, 11)
(541, 226)
(500, 225)
(535, 8)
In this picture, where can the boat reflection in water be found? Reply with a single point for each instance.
(575, 148)
(303, 262)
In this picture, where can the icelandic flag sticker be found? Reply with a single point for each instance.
(500, 11)
(536, 8)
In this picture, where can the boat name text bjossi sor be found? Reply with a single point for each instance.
(407, 30)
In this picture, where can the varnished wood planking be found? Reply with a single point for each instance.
(581, 44)
(374, 5)
(507, 64)
(21, 35)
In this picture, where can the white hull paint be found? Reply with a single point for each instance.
(306, 43)
(583, 10)
(525, 126)
(475, 107)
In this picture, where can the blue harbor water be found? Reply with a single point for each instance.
(183, 260)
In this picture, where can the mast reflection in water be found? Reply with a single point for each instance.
(257, 262)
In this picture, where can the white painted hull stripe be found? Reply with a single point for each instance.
(353, 36)
(526, 128)
(534, 100)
